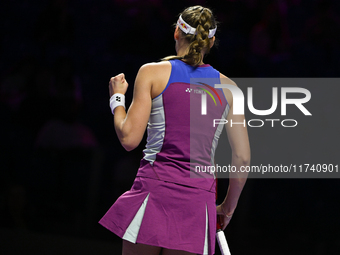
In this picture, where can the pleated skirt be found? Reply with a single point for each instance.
(165, 214)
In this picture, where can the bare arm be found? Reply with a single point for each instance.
(130, 126)
(239, 143)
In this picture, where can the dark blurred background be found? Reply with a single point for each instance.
(62, 165)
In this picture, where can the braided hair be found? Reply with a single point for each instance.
(203, 20)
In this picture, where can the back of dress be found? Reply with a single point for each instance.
(182, 138)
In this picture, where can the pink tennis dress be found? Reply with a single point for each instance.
(171, 203)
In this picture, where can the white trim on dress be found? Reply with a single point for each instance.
(131, 232)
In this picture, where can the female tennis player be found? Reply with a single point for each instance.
(170, 208)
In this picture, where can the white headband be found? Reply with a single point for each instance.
(186, 28)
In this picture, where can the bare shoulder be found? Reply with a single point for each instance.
(156, 67)
(227, 79)
(227, 92)
(157, 75)
(152, 72)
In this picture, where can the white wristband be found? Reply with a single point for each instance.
(117, 100)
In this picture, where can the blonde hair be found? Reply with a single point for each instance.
(203, 20)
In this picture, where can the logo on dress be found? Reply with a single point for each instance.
(196, 91)
(204, 92)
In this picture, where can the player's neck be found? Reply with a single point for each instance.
(183, 50)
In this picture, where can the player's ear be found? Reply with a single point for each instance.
(212, 41)
(176, 33)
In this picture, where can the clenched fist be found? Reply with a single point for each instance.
(118, 84)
